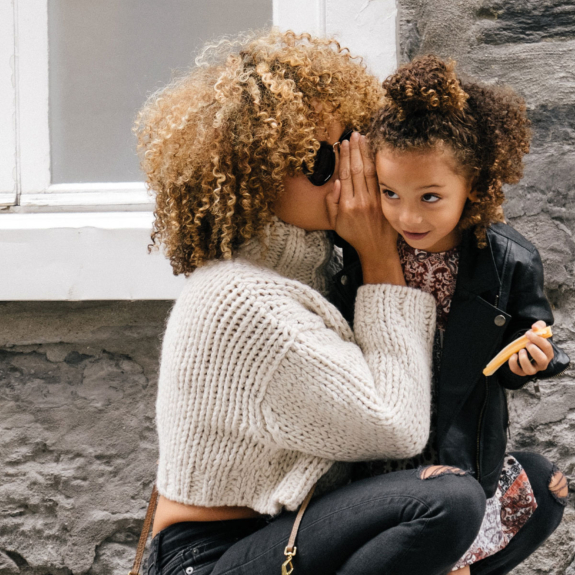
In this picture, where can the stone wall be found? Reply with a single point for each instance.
(77, 435)
(530, 45)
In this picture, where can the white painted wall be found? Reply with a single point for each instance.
(366, 27)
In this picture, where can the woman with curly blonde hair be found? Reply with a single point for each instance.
(264, 389)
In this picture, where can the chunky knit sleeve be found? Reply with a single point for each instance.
(368, 399)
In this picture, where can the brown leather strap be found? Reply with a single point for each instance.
(145, 532)
(299, 517)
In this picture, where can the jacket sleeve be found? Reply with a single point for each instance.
(528, 304)
(368, 399)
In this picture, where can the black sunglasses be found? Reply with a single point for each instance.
(324, 164)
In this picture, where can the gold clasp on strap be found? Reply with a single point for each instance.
(287, 566)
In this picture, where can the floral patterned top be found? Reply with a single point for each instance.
(434, 273)
(514, 502)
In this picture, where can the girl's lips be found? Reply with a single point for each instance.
(413, 236)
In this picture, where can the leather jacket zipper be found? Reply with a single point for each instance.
(479, 428)
(536, 381)
(561, 372)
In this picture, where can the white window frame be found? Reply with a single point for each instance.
(78, 215)
(24, 24)
(8, 81)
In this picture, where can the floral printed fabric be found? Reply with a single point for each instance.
(507, 511)
(434, 273)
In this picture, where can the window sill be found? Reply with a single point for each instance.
(83, 197)
(83, 256)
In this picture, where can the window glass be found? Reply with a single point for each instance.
(106, 56)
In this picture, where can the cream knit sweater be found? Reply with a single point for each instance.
(263, 385)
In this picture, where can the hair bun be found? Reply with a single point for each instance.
(426, 83)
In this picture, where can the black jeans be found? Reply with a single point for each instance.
(395, 524)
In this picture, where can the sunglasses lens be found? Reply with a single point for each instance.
(346, 135)
(324, 166)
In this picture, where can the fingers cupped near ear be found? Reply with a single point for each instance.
(366, 154)
(356, 158)
(345, 172)
(344, 159)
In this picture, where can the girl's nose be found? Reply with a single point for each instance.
(410, 220)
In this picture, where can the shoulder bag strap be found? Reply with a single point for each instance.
(290, 550)
(145, 532)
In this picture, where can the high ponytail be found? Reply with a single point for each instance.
(427, 84)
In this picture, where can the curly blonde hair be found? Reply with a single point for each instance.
(217, 142)
(485, 126)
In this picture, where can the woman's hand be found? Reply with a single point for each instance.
(539, 348)
(354, 208)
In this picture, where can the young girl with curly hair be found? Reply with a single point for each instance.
(443, 149)
(264, 389)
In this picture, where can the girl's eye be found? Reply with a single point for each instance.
(430, 198)
(389, 194)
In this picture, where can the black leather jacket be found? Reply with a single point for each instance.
(499, 295)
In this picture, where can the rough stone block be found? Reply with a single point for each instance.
(521, 21)
(553, 126)
(543, 73)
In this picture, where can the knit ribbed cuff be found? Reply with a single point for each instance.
(393, 317)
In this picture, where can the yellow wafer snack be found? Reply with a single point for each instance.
(513, 347)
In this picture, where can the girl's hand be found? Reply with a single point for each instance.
(354, 209)
(541, 352)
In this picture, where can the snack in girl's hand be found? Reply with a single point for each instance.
(516, 345)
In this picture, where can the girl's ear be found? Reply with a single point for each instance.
(471, 191)
(472, 196)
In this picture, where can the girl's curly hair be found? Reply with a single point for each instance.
(216, 143)
(486, 127)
